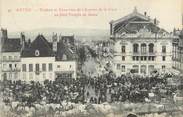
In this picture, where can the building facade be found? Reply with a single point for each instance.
(42, 60)
(178, 51)
(140, 45)
(38, 60)
(10, 56)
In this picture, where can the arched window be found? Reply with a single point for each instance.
(151, 68)
(135, 48)
(151, 48)
(163, 49)
(143, 69)
(143, 48)
(123, 49)
(136, 68)
(37, 53)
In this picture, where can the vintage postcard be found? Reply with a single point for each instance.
(91, 58)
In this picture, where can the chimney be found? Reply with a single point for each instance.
(29, 42)
(4, 33)
(54, 44)
(145, 13)
(155, 21)
(22, 40)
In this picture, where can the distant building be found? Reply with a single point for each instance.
(140, 46)
(38, 60)
(103, 48)
(178, 51)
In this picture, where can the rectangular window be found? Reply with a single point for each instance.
(16, 75)
(24, 76)
(123, 58)
(163, 58)
(136, 58)
(133, 58)
(70, 75)
(145, 58)
(44, 75)
(149, 58)
(10, 75)
(24, 67)
(118, 66)
(30, 76)
(123, 68)
(10, 57)
(10, 66)
(50, 76)
(4, 57)
(135, 69)
(4, 66)
(143, 69)
(50, 67)
(30, 67)
(44, 67)
(37, 67)
(142, 58)
(163, 67)
(163, 49)
(15, 57)
(123, 49)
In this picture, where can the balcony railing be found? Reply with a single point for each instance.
(136, 53)
(152, 54)
(8, 60)
(144, 54)
(11, 70)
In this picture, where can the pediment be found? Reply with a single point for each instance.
(131, 17)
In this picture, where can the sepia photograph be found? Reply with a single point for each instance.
(91, 58)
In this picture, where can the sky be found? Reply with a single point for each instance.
(168, 12)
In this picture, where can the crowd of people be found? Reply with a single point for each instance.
(131, 88)
(106, 88)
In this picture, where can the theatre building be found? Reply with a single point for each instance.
(140, 45)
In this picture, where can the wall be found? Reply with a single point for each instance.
(12, 73)
(41, 76)
(128, 63)
(65, 67)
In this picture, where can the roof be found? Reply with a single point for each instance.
(135, 13)
(40, 47)
(130, 23)
(64, 50)
(11, 45)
